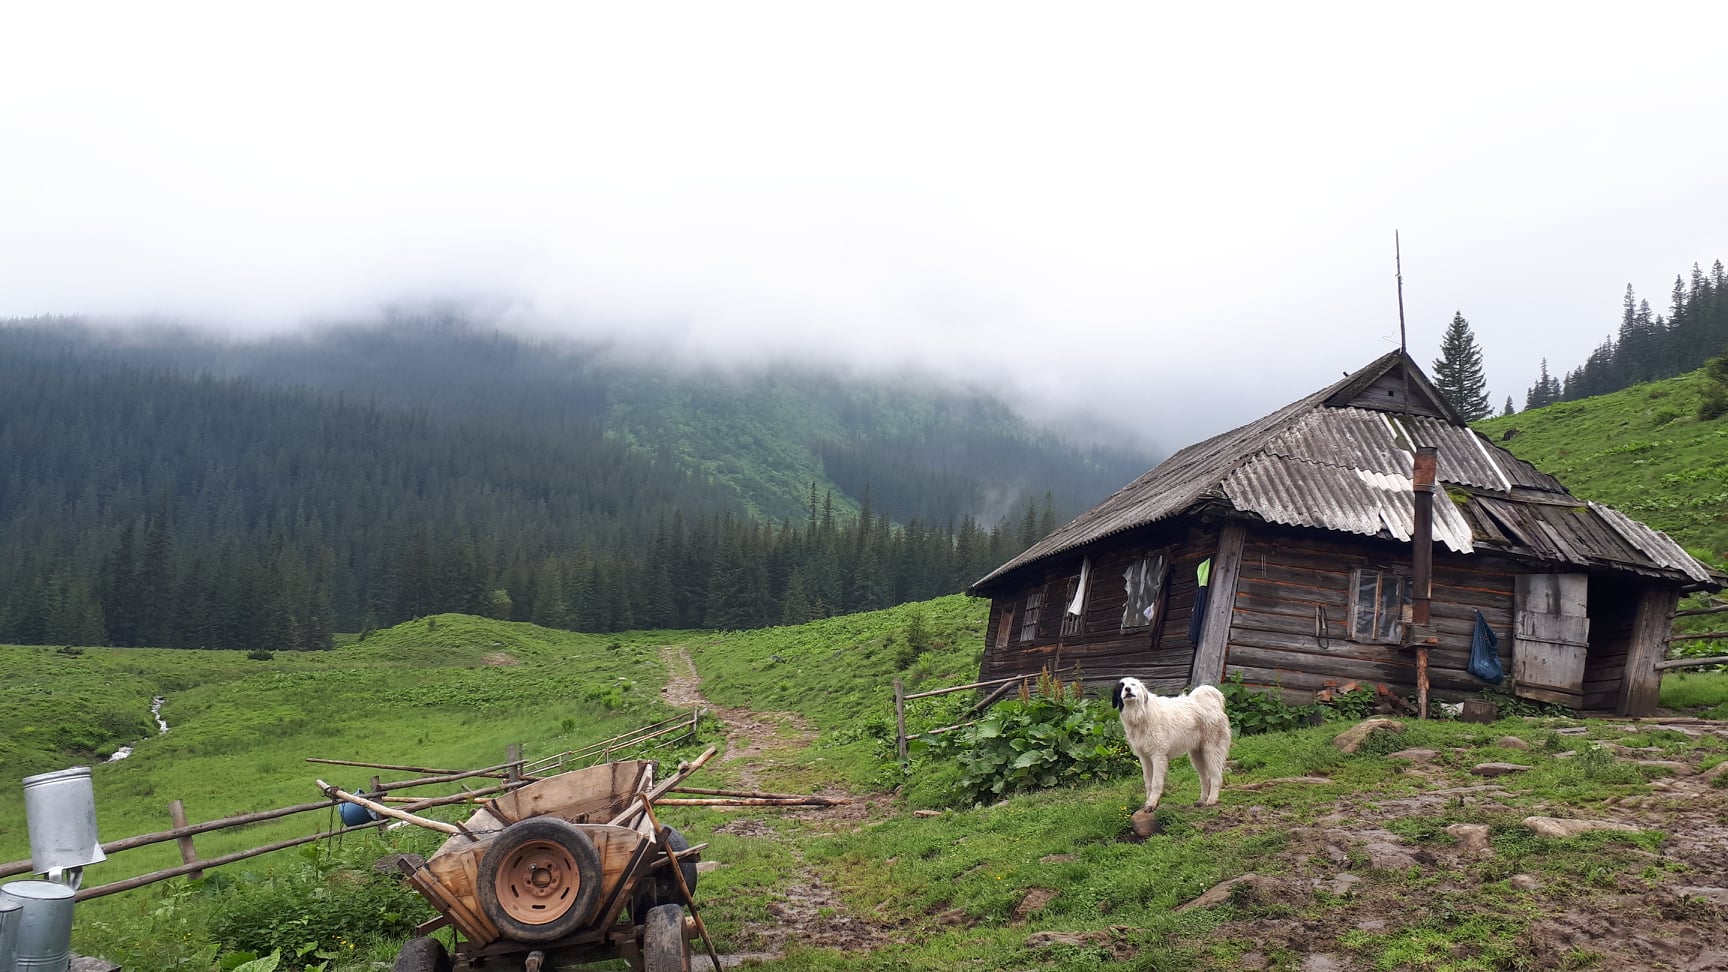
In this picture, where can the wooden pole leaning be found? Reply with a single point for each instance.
(662, 788)
(664, 836)
(337, 793)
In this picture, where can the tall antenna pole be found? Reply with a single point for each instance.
(1398, 260)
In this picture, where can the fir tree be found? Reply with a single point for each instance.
(1508, 409)
(1458, 371)
(1546, 391)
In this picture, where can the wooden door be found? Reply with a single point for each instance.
(1550, 637)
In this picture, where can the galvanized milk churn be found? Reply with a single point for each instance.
(9, 914)
(41, 936)
(60, 810)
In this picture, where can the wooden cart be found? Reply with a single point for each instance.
(565, 870)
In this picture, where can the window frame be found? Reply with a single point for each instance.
(1385, 618)
(1031, 616)
(1134, 617)
(1074, 624)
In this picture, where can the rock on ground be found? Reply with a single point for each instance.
(1352, 738)
(1564, 827)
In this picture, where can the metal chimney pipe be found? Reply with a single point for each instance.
(1422, 566)
(1422, 560)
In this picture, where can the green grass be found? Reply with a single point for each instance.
(454, 691)
(1701, 693)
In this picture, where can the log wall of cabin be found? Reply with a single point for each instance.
(1162, 656)
(1290, 624)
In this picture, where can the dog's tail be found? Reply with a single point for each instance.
(1209, 696)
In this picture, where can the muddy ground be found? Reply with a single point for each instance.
(1346, 873)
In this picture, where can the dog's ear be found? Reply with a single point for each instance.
(1116, 695)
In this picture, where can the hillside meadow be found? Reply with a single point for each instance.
(1043, 879)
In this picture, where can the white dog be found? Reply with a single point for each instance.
(1160, 728)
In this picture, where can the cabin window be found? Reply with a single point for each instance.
(1144, 583)
(1377, 601)
(1005, 625)
(1030, 615)
(1073, 623)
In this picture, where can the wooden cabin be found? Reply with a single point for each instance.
(1300, 524)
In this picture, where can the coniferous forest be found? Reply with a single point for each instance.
(1649, 345)
(167, 489)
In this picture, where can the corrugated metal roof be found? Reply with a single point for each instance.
(1321, 462)
(1658, 546)
(1297, 492)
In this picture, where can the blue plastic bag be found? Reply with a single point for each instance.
(1485, 652)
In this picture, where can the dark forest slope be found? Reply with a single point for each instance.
(169, 489)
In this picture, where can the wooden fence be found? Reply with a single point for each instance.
(1669, 663)
(511, 773)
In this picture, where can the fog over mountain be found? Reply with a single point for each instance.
(1178, 219)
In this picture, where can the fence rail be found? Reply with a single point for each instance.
(511, 773)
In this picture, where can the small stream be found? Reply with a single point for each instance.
(161, 726)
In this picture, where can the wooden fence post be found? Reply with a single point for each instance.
(188, 853)
(513, 756)
(900, 717)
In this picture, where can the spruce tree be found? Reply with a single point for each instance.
(1458, 371)
(1546, 391)
(1508, 409)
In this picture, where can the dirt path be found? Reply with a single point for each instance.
(807, 911)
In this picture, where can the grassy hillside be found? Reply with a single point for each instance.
(1642, 451)
(1043, 880)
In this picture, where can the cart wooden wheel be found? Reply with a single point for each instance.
(664, 947)
(539, 880)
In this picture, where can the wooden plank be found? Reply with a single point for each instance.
(1560, 629)
(1642, 682)
(597, 792)
(1539, 664)
(1221, 604)
(1667, 664)
(481, 821)
(1571, 699)
(449, 881)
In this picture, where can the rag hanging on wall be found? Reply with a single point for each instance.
(1197, 620)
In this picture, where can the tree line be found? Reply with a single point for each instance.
(1649, 345)
(143, 506)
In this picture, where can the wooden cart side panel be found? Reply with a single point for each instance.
(449, 882)
(481, 823)
(616, 846)
(580, 796)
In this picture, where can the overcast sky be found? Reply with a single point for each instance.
(1184, 217)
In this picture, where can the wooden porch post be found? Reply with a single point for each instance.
(1642, 681)
(1221, 602)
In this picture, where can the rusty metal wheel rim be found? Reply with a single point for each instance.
(537, 884)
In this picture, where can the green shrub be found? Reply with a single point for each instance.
(310, 911)
(1046, 738)
(1254, 712)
